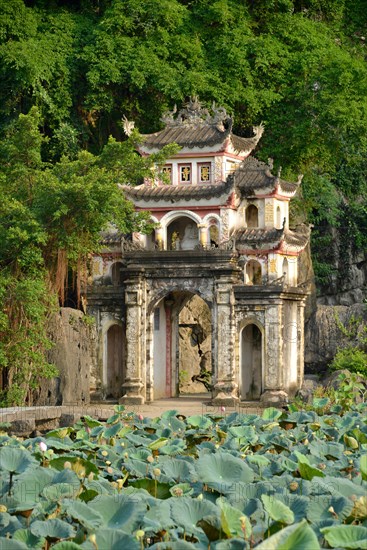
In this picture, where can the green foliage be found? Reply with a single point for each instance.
(351, 358)
(51, 219)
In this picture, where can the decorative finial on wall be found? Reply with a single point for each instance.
(128, 125)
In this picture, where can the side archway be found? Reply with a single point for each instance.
(251, 361)
(114, 363)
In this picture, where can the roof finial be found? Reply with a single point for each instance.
(128, 125)
(279, 171)
(271, 163)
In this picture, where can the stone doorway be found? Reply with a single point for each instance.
(182, 345)
(115, 361)
(251, 362)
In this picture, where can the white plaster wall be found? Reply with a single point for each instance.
(159, 354)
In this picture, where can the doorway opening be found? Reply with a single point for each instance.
(182, 345)
(251, 362)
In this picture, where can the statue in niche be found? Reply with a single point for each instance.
(190, 239)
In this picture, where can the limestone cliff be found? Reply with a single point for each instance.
(74, 355)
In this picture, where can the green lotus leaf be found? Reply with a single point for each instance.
(223, 468)
(58, 491)
(111, 431)
(301, 417)
(259, 460)
(60, 433)
(15, 460)
(328, 507)
(305, 469)
(91, 519)
(158, 518)
(155, 445)
(231, 544)
(112, 539)
(187, 511)
(338, 486)
(9, 544)
(66, 545)
(199, 421)
(119, 511)
(320, 402)
(176, 447)
(244, 433)
(91, 422)
(271, 413)
(155, 488)
(30, 540)
(328, 450)
(277, 510)
(173, 545)
(299, 536)
(176, 469)
(233, 521)
(298, 504)
(53, 529)
(363, 466)
(59, 463)
(59, 444)
(346, 536)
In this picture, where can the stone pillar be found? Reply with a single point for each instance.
(225, 385)
(273, 357)
(203, 233)
(135, 326)
(300, 342)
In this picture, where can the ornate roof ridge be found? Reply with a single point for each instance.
(193, 113)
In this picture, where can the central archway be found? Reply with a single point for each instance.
(181, 345)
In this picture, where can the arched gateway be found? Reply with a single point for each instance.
(204, 299)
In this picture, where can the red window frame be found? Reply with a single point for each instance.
(202, 165)
(185, 165)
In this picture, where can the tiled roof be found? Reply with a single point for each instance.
(254, 175)
(255, 238)
(187, 135)
(178, 192)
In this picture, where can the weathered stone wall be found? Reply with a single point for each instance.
(74, 355)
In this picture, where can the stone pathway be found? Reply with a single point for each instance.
(26, 419)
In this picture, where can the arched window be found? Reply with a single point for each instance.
(253, 273)
(252, 216)
(182, 234)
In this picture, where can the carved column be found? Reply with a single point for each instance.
(300, 342)
(225, 386)
(273, 360)
(135, 326)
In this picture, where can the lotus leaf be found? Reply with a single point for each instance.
(15, 460)
(119, 511)
(232, 544)
(294, 537)
(91, 422)
(9, 544)
(199, 421)
(175, 469)
(66, 545)
(328, 507)
(83, 513)
(346, 536)
(298, 504)
(363, 466)
(233, 521)
(277, 510)
(112, 539)
(271, 413)
(59, 491)
(173, 545)
(53, 529)
(30, 540)
(219, 468)
(187, 512)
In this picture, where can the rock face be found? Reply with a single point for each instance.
(323, 334)
(74, 355)
(194, 335)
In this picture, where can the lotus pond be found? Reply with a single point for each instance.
(282, 480)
